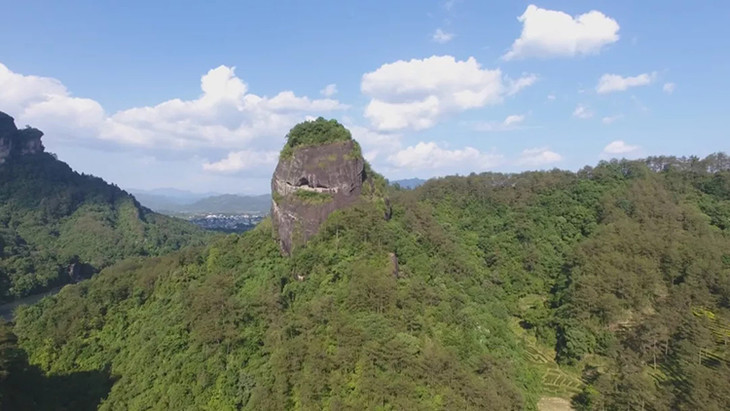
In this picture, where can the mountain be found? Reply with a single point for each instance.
(160, 203)
(230, 204)
(609, 287)
(409, 183)
(321, 170)
(173, 194)
(192, 203)
(57, 226)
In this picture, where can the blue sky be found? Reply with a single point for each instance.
(199, 95)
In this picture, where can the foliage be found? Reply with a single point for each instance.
(312, 197)
(316, 132)
(26, 387)
(611, 285)
(52, 217)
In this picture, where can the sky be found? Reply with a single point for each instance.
(199, 95)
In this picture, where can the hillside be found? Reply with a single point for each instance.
(609, 287)
(58, 226)
(220, 203)
(230, 204)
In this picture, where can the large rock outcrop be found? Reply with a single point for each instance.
(18, 142)
(311, 183)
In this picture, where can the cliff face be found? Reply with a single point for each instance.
(309, 185)
(18, 142)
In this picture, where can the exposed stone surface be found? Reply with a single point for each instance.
(311, 184)
(7, 125)
(394, 262)
(18, 142)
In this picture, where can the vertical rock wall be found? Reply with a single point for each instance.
(18, 142)
(309, 185)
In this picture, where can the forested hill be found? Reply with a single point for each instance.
(609, 287)
(57, 226)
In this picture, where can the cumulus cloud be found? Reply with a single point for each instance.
(375, 143)
(242, 160)
(669, 88)
(226, 115)
(609, 83)
(552, 33)
(582, 112)
(511, 122)
(417, 93)
(535, 157)
(429, 156)
(442, 37)
(619, 148)
(329, 90)
(47, 104)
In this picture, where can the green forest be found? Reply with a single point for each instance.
(609, 287)
(56, 224)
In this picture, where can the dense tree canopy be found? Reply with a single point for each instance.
(610, 287)
(52, 217)
(309, 133)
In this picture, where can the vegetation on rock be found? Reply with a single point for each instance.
(309, 133)
(312, 197)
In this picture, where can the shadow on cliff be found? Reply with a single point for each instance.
(26, 387)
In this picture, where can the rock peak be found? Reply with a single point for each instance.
(18, 142)
(320, 170)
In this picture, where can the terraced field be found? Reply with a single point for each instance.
(556, 382)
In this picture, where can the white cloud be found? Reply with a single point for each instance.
(609, 83)
(225, 115)
(417, 93)
(329, 90)
(669, 88)
(514, 119)
(551, 97)
(243, 160)
(535, 157)
(374, 143)
(442, 37)
(552, 33)
(582, 112)
(511, 122)
(43, 101)
(611, 119)
(619, 147)
(515, 86)
(429, 156)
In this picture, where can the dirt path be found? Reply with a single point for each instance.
(554, 404)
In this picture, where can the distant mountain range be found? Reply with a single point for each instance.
(173, 201)
(409, 183)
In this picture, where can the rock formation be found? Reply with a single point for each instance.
(17, 142)
(321, 169)
(311, 184)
